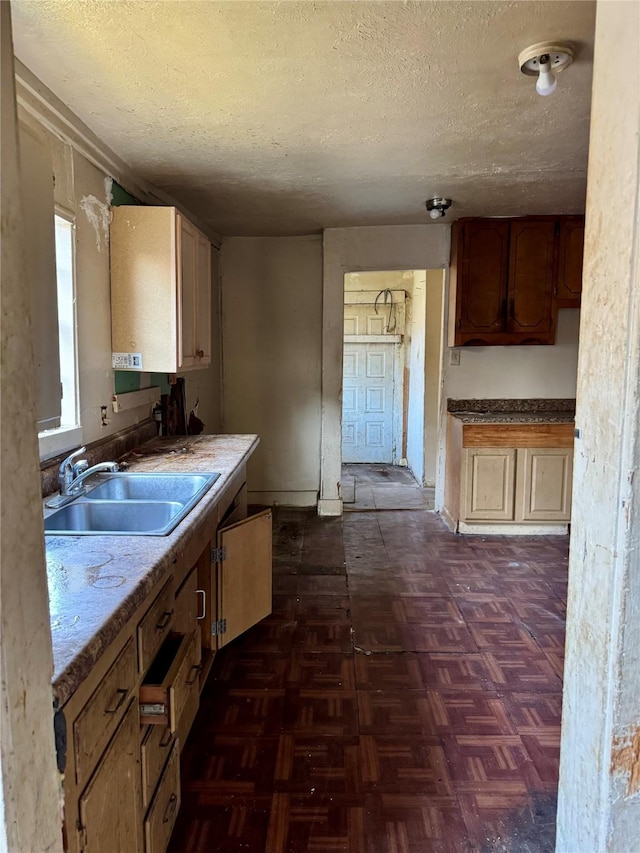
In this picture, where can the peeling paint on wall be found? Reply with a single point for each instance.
(625, 760)
(98, 214)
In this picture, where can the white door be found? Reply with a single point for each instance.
(367, 402)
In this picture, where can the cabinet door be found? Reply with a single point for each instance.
(531, 256)
(187, 292)
(489, 484)
(544, 488)
(570, 251)
(244, 580)
(482, 279)
(203, 303)
(110, 807)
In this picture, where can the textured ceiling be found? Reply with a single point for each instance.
(286, 118)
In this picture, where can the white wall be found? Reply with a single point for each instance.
(397, 247)
(417, 364)
(515, 372)
(433, 398)
(272, 333)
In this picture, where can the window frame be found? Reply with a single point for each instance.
(66, 436)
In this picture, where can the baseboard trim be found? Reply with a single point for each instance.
(330, 507)
(449, 520)
(513, 529)
(300, 499)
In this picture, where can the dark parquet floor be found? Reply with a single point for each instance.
(403, 697)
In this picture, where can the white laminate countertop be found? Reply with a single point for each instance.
(96, 583)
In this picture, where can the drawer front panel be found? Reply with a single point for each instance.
(162, 813)
(155, 626)
(186, 681)
(162, 703)
(186, 617)
(99, 718)
(156, 746)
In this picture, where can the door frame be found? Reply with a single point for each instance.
(330, 500)
(398, 413)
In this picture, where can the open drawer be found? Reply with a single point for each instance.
(168, 684)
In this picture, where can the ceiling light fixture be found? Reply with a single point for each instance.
(437, 207)
(544, 60)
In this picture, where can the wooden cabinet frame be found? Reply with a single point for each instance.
(508, 277)
(508, 477)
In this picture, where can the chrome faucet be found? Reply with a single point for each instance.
(72, 474)
(81, 471)
(66, 472)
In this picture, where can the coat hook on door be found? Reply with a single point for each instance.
(388, 297)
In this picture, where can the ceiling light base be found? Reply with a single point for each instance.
(437, 206)
(560, 57)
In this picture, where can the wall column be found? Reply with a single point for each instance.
(29, 791)
(599, 793)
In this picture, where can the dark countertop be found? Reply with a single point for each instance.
(96, 583)
(513, 417)
(525, 410)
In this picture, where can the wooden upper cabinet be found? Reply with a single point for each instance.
(483, 276)
(530, 288)
(160, 291)
(570, 252)
(503, 278)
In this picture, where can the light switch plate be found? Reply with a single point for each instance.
(454, 356)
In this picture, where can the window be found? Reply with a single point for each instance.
(67, 433)
(66, 321)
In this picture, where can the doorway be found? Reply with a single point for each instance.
(373, 368)
(392, 362)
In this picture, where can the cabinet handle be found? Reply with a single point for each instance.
(166, 739)
(168, 614)
(200, 353)
(121, 694)
(170, 809)
(196, 668)
(203, 601)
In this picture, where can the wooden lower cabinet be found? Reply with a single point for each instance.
(526, 484)
(244, 576)
(161, 817)
(132, 715)
(545, 475)
(110, 805)
(489, 487)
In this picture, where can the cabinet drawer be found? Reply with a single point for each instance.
(99, 718)
(162, 813)
(156, 746)
(155, 626)
(188, 602)
(110, 817)
(170, 680)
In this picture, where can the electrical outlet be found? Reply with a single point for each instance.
(454, 356)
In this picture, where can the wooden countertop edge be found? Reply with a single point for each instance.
(518, 435)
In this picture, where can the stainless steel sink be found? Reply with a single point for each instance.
(133, 504)
(145, 517)
(149, 487)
